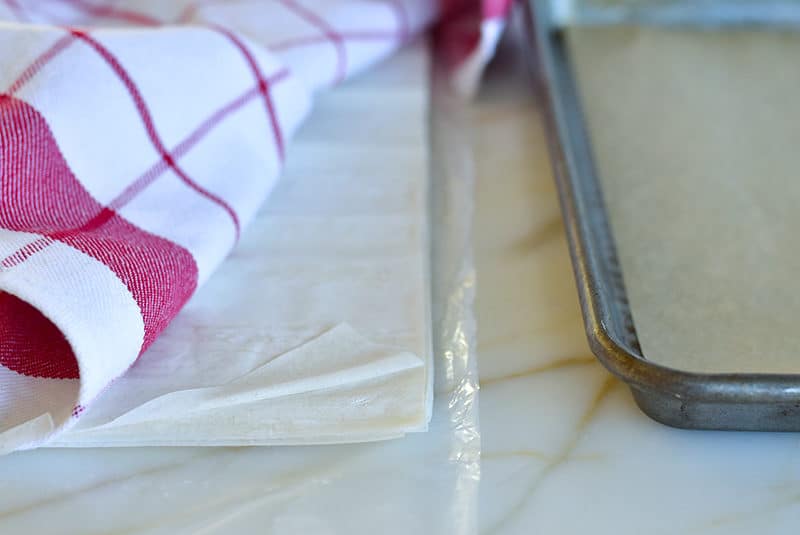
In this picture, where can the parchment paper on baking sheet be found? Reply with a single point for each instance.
(695, 135)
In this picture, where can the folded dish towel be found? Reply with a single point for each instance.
(137, 139)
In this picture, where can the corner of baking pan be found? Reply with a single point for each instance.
(751, 402)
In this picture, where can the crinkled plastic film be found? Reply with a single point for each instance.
(423, 483)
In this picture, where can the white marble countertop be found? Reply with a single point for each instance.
(565, 450)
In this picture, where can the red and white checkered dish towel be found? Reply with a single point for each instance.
(137, 139)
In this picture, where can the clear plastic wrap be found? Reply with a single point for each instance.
(424, 483)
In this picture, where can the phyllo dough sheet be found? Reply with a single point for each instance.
(317, 328)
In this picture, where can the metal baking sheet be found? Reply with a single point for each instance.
(751, 402)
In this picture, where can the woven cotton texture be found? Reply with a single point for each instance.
(137, 139)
